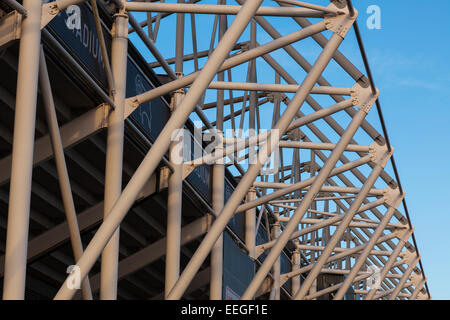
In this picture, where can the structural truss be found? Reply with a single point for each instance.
(284, 153)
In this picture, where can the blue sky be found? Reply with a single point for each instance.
(409, 57)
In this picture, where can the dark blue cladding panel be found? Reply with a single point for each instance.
(200, 178)
(237, 223)
(238, 269)
(152, 115)
(285, 263)
(82, 42)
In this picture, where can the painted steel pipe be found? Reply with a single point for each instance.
(17, 6)
(22, 154)
(61, 168)
(114, 155)
(175, 187)
(253, 86)
(220, 9)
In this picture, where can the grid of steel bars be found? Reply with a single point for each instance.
(327, 195)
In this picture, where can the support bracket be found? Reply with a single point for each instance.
(363, 98)
(408, 256)
(393, 197)
(164, 175)
(130, 105)
(379, 154)
(10, 28)
(49, 12)
(342, 23)
(403, 235)
(415, 278)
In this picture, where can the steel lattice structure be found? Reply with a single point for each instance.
(327, 206)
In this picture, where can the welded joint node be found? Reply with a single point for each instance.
(188, 168)
(416, 278)
(339, 3)
(244, 46)
(176, 95)
(423, 295)
(10, 27)
(392, 197)
(164, 174)
(120, 30)
(272, 95)
(408, 256)
(105, 113)
(342, 23)
(403, 235)
(297, 246)
(259, 250)
(49, 11)
(363, 98)
(130, 105)
(276, 223)
(379, 154)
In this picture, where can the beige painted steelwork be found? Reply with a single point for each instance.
(329, 205)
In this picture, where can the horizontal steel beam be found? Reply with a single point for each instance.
(220, 9)
(292, 88)
(321, 146)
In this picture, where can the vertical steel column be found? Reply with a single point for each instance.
(217, 251)
(296, 259)
(61, 168)
(312, 173)
(114, 154)
(216, 277)
(175, 186)
(250, 224)
(22, 154)
(347, 245)
(276, 228)
(174, 207)
(253, 94)
(276, 268)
